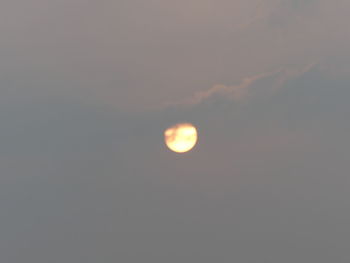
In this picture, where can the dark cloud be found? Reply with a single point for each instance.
(268, 180)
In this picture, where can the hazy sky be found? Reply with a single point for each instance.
(88, 87)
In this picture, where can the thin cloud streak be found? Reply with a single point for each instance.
(248, 87)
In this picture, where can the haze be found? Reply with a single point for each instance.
(87, 89)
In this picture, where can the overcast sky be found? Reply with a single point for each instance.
(88, 87)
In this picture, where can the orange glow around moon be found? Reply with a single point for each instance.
(181, 137)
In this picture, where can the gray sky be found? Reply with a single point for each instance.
(87, 89)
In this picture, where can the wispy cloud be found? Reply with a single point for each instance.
(250, 86)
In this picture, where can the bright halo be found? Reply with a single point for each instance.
(181, 137)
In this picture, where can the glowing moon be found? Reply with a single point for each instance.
(181, 137)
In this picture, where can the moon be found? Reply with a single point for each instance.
(181, 137)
